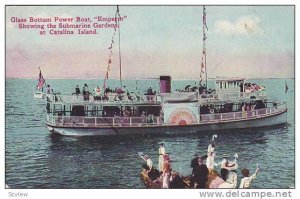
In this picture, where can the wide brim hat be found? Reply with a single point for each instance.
(231, 165)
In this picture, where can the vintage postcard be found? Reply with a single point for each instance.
(157, 96)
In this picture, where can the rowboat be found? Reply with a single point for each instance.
(214, 181)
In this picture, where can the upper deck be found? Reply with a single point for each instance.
(203, 98)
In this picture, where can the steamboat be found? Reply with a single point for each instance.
(233, 104)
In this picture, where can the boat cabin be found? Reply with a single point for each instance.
(229, 84)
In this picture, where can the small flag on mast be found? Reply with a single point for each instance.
(41, 80)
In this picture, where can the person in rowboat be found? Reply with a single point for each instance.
(201, 173)
(246, 181)
(161, 153)
(194, 164)
(148, 162)
(210, 162)
(166, 172)
(176, 181)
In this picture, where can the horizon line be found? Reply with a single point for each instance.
(134, 78)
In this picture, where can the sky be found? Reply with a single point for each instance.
(242, 41)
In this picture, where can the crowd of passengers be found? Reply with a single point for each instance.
(244, 107)
(118, 92)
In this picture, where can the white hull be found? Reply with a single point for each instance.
(39, 95)
(271, 120)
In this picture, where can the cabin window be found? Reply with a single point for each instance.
(110, 111)
(149, 110)
(220, 85)
(77, 110)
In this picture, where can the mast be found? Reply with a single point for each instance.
(109, 62)
(120, 60)
(203, 59)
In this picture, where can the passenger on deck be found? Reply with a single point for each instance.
(151, 119)
(246, 181)
(150, 91)
(143, 117)
(97, 93)
(48, 89)
(77, 90)
(85, 92)
(149, 94)
(161, 153)
(253, 109)
(244, 111)
(248, 109)
(105, 97)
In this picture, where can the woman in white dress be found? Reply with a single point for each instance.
(161, 153)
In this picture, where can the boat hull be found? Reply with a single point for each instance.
(270, 120)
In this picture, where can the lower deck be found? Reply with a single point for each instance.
(80, 126)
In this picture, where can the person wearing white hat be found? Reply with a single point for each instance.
(231, 175)
(223, 162)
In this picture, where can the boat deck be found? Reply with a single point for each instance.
(144, 121)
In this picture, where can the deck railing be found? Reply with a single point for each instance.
(219, 117)
(148, 121)
(103, 121)
(230, 96)
(112, 97)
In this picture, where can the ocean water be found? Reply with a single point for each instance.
(36, 159)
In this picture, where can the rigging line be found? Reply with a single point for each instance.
(120, 59)
(204, 37)
(110, 50)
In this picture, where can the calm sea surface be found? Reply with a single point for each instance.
(37, 159)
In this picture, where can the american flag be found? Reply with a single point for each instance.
(41, 80)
